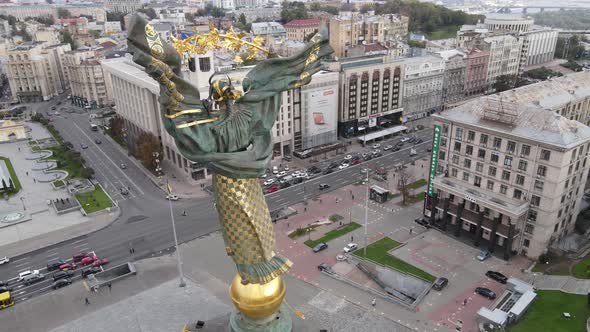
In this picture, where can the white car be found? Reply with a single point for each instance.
(405, 139)
(269, 182)
(376, 146)
(286, 168)
(172, 197)
(282, 173)
(343, 166)
(275, 170)
(4, 260)
(303, 175)
(387, 147)
(296, 174)
(350, 247)
(23, 274)
(347, 157)
(263, 176)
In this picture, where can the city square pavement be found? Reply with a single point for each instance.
(32, 201)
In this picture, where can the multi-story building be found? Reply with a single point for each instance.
(269, 30)
(35, 73)
(538, 45)
(88, 86)
(510, 176)
(78, 28)
(259, 14)
(250, 3)
(122, 6)
(46, 35)
(351, 29)
(298, 30)
(22, 12)
(476, 71)
(454, 78)
(225, 4)
(423, 82)
(369, 95)
(508, 22)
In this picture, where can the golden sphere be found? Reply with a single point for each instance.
(257, 301)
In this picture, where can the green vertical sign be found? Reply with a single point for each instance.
(434, 159)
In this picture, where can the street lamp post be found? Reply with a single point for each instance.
(366, 214)
(22, 199)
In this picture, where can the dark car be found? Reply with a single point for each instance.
(92, 270)
(412, 140)
(328, 171)
(395, 149)
(319, 247)
(499, 277)
(485, 292)
(5, 289)
(314, 170)
(297, 180)
(124, 191)
(284, 185)
(418, 141)
(324, 186)
(422, 221)
(53, 108)
(83, 146)
(79, 256)
(61, 283)
(367, 157)
(440, 283)
(325, 268)
(97, 141)
(335, 164)
(55, 264)
(62, 275)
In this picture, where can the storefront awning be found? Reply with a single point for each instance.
(381, 133)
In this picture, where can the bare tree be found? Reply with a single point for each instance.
(404, 179)
(145, 149)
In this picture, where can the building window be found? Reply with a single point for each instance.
(526, 242)
(559, 213)
(479, 167)
(508, 161)
(519, 180)
(443, 142)
(490, 185)
(539, 185)
(505, 175)
(457, 147)
(503, 189)
(517, 194)
(459, 133)
(483, 139)
(455, 159)
(477, 181)
(522, 165)
(532, 215)
(494, 158)
(529, 228)
(567, 183)
(545, 154)
(542, 170)
(467, 163)
(454, 172)
(465, 176)
(492, 171)
(205, 64)
(555, 228)
(469, 150)
(511, 147)
(497, 142)
(535, 200)
(445, 129)
(442, 155)
(471, 135)
(481, 153)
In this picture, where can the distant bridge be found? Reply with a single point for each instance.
(508, 9)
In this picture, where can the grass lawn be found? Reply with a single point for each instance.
(65, 162)
(95, 200)
(331, 235)
(417, 184)
(58, 183)
(546, 313)
(377, 251)
(15, 181)
(448, 32)
(414, 199)
(558, 265)
(582, 269)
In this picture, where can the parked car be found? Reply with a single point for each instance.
(376, 146)
(4, 260)
(387, 147)
(100, 262)
(440, 283)
(485, 292)
(412, 140)
(314, 170)
(347, 157)
(341, 258)
(61, 283)
(123, 166)
(54, 264)
(88, 260)
(275, 170)
(395, 149)
(376, 153)
(83, 146)
(499, 277)
(89, 271)
(350, 247)
(319, 247)
(53, 108)
(286, 168)
(344, 165)
(297, 180)
(269, 182)
(355, 162)
(124, 191)
(33, 278)
(422, 221)
(79, 256)
(325, 268)
(97, 141)
(328, 171)
(62, 274)
(404, 139)
(418, 141)
(67, 266)
(324, 186)
(367, 157)
(483, 255)
(5, 289)
(282, 173)
(172, 197)
(24, 274)
(272, 188)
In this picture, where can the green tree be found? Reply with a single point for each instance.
(63, 13)
(293, 11)
(217, 12)
(149, 12)
(66, 37)
(190, 17)
(367, 7)
(87, 172)
(242, 19)
(145, 149)
(46, 20)
(504, 82)
(94, 33)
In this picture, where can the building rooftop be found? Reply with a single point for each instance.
(448, 54)
(263, 28)
(526, 121)
(302, 23)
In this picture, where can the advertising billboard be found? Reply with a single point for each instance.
(322, 112)
(434, 160)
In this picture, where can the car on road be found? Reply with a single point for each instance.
(297, 180)
(272, 188)
(124, 191)
(53, 108)
(418, 141)
(499, 277)
(485, 292)
(24, 274)
(83, 146)
(282, 173)
(328, 171)
(33, 278)
(334, 165)
(67, 266)
(172, 197)
(123, 166)
(422, 221)
(440, 283)
(395, 149)
(286, 168)
(63, 274)
(367, 157)
(376, 146)
(344, 165)
(325, 268)
(404, 139)
(347, 157)
(376, 153)
(483, 255)
(264, 176)
(79, 256)
(100, 262)
(97, 141)
(319, 247)
(341, 258)
(324, 186)
(355, 162)
(387, 147)
(54, 264)
(5, 289)
(89, 271)
(4, 260)
(61, 283)
(350, 247)
(88, 260)
(269, 182)
(412, 140)
(314, 170)
(275, 170)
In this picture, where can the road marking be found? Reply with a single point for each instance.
(21, 264)
(81, 245)
(79, 240)
(54, 254)
(109, 158)
(20, 259)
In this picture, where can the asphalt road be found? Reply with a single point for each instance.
(144, 223)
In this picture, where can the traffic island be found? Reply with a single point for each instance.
(94, 201)
(333, 234)
(9, 184)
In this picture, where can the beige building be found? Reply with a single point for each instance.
(351, 29)
(36, 73)
(11, 131)
(87, 81)
(298, 30)
(21, 12)
(49, 36)
(122, 6)
(510, 176)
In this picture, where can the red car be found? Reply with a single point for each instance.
(100, 262)
(88, 260)
(79, 256)
(355, 162)
(67, 266)
(272, 188)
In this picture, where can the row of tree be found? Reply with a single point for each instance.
(146, 144)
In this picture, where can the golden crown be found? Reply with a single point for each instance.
(214, 40)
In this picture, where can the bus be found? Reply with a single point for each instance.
(6, 300)
(93, 127)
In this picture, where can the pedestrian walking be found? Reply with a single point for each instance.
(465, 302)
(34, 180)
(27, 173)
(19, 149)
(305, 209)
(287, 225)
(374, 302)
(411, 230)
(109, 284)
(131, 251)
(352, 239)
(86, 301)
(184, 213)
(353, 197)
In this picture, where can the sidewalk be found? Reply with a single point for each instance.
(567, 284)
